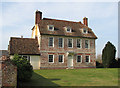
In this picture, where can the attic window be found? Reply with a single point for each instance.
(85, 30)
(50, 27)
(68, 29)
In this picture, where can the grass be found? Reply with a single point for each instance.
(75, 77)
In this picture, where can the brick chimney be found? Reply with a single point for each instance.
(85, 21)
(38, 16)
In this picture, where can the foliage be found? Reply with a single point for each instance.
(108, 55)
(24, 68)
(99, 65)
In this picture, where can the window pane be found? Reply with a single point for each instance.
(86, 43)
(69, 42)
(78, 43)
(87, 58)
(78, 58)
(50, 58)
(51, 41)
(60, 42)
(60, 58)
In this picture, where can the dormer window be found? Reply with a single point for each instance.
(50, 27)
(68, 29)
(85, 30)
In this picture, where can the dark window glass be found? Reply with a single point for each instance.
(86, 43)
(50, 58)
(79, 59)
(60, 42)
(69, 42)
(78, 43)
(87, 58)
(60, 58)
(51, 41)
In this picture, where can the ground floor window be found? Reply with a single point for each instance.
(27, 57)
(61, 58)
(79, 58)
(87, 58)
(51, 58)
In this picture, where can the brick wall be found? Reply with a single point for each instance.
(8, 73)
(46, 50)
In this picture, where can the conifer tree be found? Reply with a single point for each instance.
(108, 55)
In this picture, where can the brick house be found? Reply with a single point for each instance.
(64, 44)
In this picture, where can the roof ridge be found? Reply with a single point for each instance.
(61, 20)
(21, 38)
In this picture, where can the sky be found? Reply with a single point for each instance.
(18, 18)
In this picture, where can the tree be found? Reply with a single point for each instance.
(24, 68)
(108, 55)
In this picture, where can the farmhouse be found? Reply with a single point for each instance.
(57, 44)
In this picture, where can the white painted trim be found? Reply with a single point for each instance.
(62, 42)
(77, 58)
(49, 26)
(42, 51)
(48, 41)
(48, 58)
(89, 58)
(70, 29)
(62, 58)
(72, 42)
(88, 44)
(80, 43)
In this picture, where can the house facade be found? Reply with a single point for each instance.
(63, 44)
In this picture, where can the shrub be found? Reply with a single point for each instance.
(108, 55)
(24, 68)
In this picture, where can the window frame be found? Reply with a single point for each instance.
(51, 26)
(89, 58)
(69, 28)
(53, 58)
(86, 31)
(80, 43)
(28, 57)
(52, 42)
(68, 42)
(62, 58)
(77, 58)
(62, 42)
(88, 44)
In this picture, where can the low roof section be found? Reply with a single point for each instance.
(23, 46)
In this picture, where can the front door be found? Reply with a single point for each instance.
(70, 60)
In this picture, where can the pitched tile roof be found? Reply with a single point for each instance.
(59, 28)
(23, 46)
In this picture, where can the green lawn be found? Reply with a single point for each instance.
(75, 77)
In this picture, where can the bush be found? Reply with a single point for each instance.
(108, 55)
(24, 68)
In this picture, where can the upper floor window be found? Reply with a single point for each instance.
(78, 43)
(87, 59)
(61, 42)
(85, 30)
(68, 29)
(50, 27)
(70, 43)
(51, 58)
(61, 58)
(51, 41)
(87, 44)
(79, 58)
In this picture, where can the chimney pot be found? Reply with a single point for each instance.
(21, 36)
(85, 21)
(38, 16)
